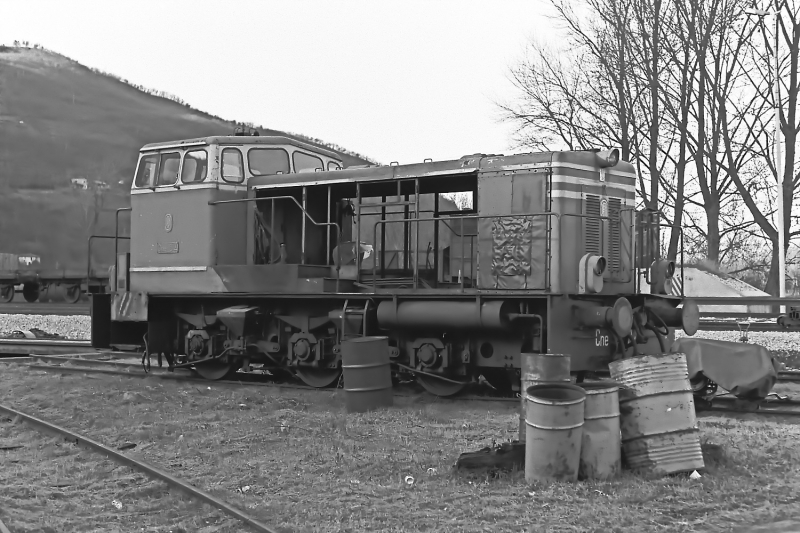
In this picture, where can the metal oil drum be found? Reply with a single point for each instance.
(367, 374)
(657, 418)
(601, 454)
(540, 369)
(554, 427)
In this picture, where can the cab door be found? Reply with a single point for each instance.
(228, 221)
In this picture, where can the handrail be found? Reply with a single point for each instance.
(292, 198)
(116, 238)
(475, 217)
(89, 251)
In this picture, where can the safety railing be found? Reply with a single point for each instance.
(306, 215)
(465, 217)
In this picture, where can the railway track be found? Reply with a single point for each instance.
(148, 469)
(123, 364)
(772, 406)
(44, 308)
(26, 347)
(739, 325)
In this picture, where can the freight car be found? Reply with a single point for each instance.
(25, 272)
(265, 251)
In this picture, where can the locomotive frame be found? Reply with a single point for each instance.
(279, 268)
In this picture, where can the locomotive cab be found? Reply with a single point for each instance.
(183, 222)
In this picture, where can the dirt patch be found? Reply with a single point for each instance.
(296, 459)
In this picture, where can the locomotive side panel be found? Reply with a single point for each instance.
(596, 207)
(171, 229)
(513, 252)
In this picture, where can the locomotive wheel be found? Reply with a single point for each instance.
(440, 387)
(319, 377)
(44, 294)
(6, 293)
(215, 370)
(72, 294)
(30, 291)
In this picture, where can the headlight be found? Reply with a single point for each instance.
(608, 158)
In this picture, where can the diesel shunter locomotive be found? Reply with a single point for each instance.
(264, 252)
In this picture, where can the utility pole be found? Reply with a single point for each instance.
(777, 140)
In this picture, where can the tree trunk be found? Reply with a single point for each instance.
(712, 210)
(772, 280)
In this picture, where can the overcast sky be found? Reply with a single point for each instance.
(393, 80)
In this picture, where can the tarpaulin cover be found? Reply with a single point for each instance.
(745, 370)
(512, 247)
(519, 253)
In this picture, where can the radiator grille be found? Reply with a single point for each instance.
(592, 224)
(604, 236)
(614, 235)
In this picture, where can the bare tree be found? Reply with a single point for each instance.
(672, 82)
(745, 127)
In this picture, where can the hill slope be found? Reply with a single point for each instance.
(60, 120)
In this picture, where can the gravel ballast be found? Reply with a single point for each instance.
(73, 327)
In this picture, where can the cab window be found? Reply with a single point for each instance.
(168, 170)
(195, 166)
(304, 162)
(333, 165)
(232, 165)
(146, 173)
(265, 161)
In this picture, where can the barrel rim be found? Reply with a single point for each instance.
(626, 363)
(553, 428)
(544, 401)
(600, 387)
(602, 417)
(566, 355)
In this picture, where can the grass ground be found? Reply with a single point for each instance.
(295, 459)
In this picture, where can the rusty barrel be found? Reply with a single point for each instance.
(367, 374)
(554, 424)
(657, 418)
(601, 455)
(540, 369)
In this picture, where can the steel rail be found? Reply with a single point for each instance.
(738, 410)
(745, 300)
(732, 325)
(93, 367)
(3, 528)
(150, 470)
(130, 369)
(42, 346)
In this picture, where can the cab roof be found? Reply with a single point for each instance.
(241, 140)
